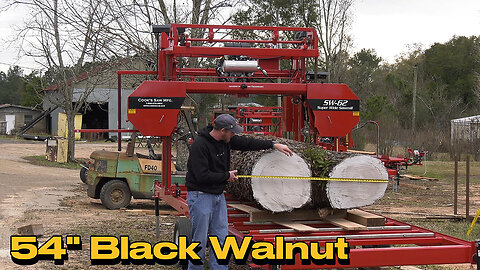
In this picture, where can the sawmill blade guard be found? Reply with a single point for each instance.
(335, 108)
(154, 106)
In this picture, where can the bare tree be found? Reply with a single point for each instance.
(128, 24)
(63, 36)
(69, 38)
(331, 19)
(333, 22)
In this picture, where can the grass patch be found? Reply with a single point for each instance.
(453, 228)
(444, 170)
(41, 161)
(9, 138)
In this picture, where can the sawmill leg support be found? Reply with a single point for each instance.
(476, 256)
(397, 180)
(157, 219)
(395, 184)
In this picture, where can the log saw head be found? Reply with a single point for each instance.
(244, 67)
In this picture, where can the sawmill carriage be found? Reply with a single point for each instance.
(312, 111)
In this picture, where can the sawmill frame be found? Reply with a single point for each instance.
(324, 110)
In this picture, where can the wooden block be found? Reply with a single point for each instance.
(365, 218)
(257, 215)
(345, 224)
(409, 267)
(416, 177)
(361, 152)
(32, 229)
(285, 216)
(297, 226)
(328, 211)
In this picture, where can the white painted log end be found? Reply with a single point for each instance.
(348, 195)
(281, 195)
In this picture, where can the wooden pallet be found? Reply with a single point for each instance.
(361, 152)
(354, 219)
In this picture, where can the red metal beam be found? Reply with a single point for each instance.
(246, 88)
(242, 27)
(137, 72)
(105, 130)
(255, 53)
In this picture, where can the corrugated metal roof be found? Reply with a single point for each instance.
(475, 118)
(18, 106)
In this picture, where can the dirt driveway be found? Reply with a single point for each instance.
(56, 198)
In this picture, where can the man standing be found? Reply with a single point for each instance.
(208, 174)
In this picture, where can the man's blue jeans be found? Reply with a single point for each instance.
(208, 214)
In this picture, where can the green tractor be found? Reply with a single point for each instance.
(114, 177)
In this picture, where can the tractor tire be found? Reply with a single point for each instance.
(115, 194)
(84, 174)
(183, 227)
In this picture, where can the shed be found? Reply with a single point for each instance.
(465, 130)
(15, 117)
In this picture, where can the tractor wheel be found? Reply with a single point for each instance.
(84, 174)
(115, 194)
(183, 227)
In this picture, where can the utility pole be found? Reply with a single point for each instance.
(414, 98)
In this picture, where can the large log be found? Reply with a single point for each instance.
(280, 195)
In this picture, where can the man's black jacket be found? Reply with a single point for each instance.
(209, 161)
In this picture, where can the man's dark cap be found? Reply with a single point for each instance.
(227, 121)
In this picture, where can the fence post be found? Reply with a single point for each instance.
(467, 183)
(455, 186)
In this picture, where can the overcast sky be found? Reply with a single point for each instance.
(388, 26)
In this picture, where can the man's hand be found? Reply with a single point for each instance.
(283, 148)
(233, 176)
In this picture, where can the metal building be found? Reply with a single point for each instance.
(100, 110)
(464, 130)
(14, 117)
